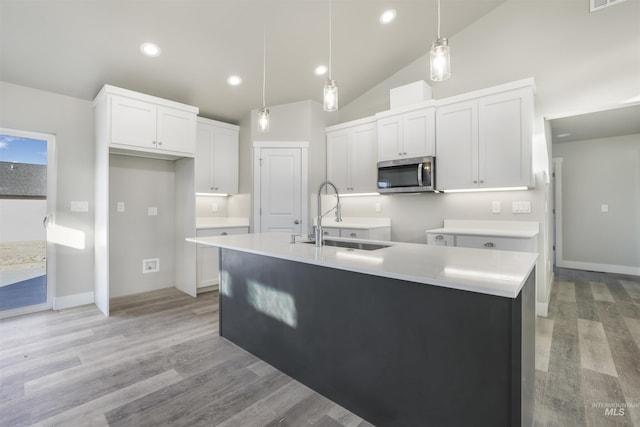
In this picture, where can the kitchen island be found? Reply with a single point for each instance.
(405, 335)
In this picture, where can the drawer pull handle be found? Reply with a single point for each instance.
(224, 233)
(439, 237)
(490, 245)
(353, 234)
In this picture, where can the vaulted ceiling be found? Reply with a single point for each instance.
(73, 47)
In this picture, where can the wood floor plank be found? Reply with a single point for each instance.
(586, 308)
(566, 291)
(601, 292)
(600, 391)
(594, 348)
(95, 409)
(544, 335)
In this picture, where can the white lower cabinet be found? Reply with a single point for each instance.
(331, 232)
(378, 233)
(207, 262)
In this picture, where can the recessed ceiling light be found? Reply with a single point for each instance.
(150, 49)
(321, 70)
(563, 135)
(234, 80)
(388, 16)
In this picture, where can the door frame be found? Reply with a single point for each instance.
(52, 174)
(304, 166)
(557, 209)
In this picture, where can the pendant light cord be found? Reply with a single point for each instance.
(438, 19)
(264, 64)
(330, 39)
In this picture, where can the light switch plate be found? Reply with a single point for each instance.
(214, 207)
(604, 208)
(495, 207)
(120, 206)
(378, 207)
(79, 206)
(152, 211)
(521, 207)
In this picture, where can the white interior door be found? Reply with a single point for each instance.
(280, 189)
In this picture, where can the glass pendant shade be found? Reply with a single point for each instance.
(440, 60)
(330, 100)
(263, 119)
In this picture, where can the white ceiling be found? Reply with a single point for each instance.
(605, 123)
(73, 47)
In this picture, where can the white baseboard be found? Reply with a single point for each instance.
(604, 268)
(60, 303)
(542, 307)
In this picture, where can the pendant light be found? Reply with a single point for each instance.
(330, 96)
(440, 59)
(263, 113)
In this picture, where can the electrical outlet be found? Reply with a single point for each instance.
(152, 211)
(214, 207)
(378, 207)
(604, 208)
(495, 207)
(150, 265)
(120, 206)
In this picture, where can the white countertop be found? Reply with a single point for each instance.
(518, 229)
(354, 222)
(221, 222)
(499, 273)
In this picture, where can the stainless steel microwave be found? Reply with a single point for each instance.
(407, 175)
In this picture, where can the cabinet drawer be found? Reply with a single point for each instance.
(500, 243)
(331, 232)
(440, 239)
(206, 232)
(354, 233)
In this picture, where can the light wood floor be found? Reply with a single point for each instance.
(158, 360)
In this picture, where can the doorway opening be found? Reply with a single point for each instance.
(27, 200)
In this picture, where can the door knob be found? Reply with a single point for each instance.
(296, 222)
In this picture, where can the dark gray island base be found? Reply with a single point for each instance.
(396, 353)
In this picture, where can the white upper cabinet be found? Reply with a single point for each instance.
(485, 142)
(216, 163)
(148, 126)
(406, 134)
(351, 156)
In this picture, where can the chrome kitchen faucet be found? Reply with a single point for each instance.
(319, 236)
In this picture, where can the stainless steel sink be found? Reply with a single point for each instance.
(365, 246)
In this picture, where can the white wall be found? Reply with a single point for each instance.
(71, 121)
(296, 121)
(597, 172)
(21, 220)
(134, 235)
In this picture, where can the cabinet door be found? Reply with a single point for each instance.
(207, 264)
(498, 243)
(505, 139)
(389, 138)
(419, 133)
(133, 123)
(338, 159)
(204, 158)
(457, 146)
(176, 131)
(362, 166)
(224, 171)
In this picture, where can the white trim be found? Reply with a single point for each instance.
(590, 110)
(557, 205)
(604, 268)
(52, 174)
(357, 122)
(280, 144)
(60, 303)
